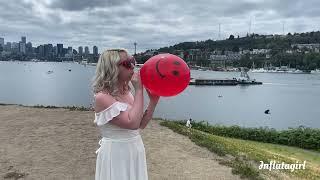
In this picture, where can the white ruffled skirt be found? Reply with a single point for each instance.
(121, 159)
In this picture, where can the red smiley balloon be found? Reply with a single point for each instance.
(165, 75)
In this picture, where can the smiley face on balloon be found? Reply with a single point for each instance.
(165, 75)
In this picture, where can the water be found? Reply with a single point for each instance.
(293, 99)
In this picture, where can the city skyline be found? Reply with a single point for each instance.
(24, 39)
(150, 24)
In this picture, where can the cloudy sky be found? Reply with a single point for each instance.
(150, 23)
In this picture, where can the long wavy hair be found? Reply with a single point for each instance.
(107, 71)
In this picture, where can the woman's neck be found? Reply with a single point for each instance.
(123, 87)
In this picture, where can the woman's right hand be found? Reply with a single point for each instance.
(136, 81)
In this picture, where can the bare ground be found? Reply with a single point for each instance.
(41, 143)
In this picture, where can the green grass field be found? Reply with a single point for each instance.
(248, 154)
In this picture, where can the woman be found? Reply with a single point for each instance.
(119, 116)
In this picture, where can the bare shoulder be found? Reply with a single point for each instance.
(103, 101)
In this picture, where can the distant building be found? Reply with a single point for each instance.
(55, 50)
(179, 53)
(80, 50)
(48, 50)
(289, 51)
(86, 51)
(218, 57)
(41, 50)
(29, 48)
(95, 50)
(268, 56)
(22, 47)
(260, 51)
(60, 50)
(229, 56)
(151, 53)
(24, 39)
(308, 46)
(7, 47)
(69, 50)
(2, 41)
(245, 51)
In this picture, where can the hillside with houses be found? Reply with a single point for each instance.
(298, 50)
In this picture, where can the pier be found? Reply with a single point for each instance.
(244, 79)
(214, 82)
(222, 82)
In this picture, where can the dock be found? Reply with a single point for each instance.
(222, 82)
(244, 79)
(214, 82)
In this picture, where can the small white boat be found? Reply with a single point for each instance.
(260, 70)
(316, 71)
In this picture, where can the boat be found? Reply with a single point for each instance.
(281, 69)
(316, 71)
(244, 78)
(49, 72)
(260, 70)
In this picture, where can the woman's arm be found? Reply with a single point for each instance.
(147, 116)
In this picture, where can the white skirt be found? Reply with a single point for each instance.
(121, 159)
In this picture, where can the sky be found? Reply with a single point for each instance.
(151, 24)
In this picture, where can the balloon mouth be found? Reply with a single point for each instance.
(158, 71)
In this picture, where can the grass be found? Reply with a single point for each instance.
(248, 154)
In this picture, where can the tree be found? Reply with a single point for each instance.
(235, 49)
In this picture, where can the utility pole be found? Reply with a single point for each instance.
(135, 48)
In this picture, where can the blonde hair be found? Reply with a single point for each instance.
(107, 70)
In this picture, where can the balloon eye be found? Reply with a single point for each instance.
(176, 73)
(176, 63)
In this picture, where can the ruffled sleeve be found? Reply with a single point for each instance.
(108, 114)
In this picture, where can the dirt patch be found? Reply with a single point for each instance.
(41, 143)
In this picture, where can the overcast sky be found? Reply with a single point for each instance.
(152, 24)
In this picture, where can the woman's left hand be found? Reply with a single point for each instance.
(153, 98)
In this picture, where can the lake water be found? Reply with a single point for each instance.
(293, 99)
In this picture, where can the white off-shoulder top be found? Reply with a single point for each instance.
(109, 130)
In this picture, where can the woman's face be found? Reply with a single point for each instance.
(125, 67)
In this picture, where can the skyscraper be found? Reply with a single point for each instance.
(1, 41)
(48, 50)
(24, 39)
(41, 51)
(8, 46)
(80, 50)
(69, 50)
(95, 50)
(60, 50)
(22, 47)
(86, 51)
(15, 47)
(29, 47)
